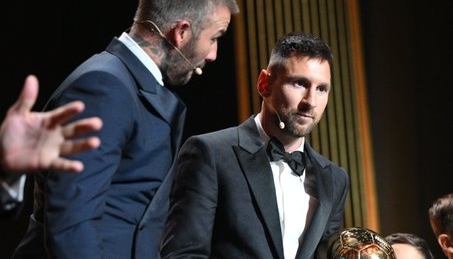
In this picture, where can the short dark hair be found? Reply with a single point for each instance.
(301, 45)
(410, 239)
(441, 215)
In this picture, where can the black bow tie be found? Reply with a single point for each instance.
(295, 160)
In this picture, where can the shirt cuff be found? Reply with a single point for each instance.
(15, 189)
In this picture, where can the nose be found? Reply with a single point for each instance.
(309, 97)
(212, 54)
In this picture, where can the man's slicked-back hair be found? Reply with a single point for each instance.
(165, 12)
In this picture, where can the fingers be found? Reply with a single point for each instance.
(81, 127)
(62, 164)
(77, 129)
(64, 113)
(27, 97)
(71, 132)
(70, 147)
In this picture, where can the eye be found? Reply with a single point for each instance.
(217, 36)
(322, 88)
(216, 39)
(301, 83)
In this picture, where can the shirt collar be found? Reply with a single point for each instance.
(142, 56)
(264, 137)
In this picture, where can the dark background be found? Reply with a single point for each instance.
(407, 50)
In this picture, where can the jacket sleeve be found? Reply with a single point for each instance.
(193, 203)
(74, 203)
(341, 190)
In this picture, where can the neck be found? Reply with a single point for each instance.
(151, 43)
(272, 129)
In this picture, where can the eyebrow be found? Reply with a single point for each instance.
(222, 32)
(303, 78)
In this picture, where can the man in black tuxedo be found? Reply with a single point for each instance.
(230, 199)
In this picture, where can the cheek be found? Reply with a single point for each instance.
(205, 46)
(323, 101)
(286, 102)
(288, 96)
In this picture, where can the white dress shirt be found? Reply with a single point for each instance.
(142, 56)
(292, 200)
(15, 189)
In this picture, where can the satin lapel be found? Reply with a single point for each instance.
(323, 183)
(253, 160)
(166, 103)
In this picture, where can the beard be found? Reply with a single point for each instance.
(176, 70)
(297, 128)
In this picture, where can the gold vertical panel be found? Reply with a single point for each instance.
(343, 133)
(289, 18)
(349, 153)
(243, 59)
(367, 179)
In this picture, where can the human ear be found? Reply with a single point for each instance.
(180, 33)
(445, 243)
(263, 83)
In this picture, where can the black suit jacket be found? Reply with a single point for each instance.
(223, 202)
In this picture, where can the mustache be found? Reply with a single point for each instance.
(305, 107)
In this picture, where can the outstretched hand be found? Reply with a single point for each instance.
(31, 141)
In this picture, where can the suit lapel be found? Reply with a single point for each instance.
(171, 109)
(166, 103)
(162, 102)
(253, 160)
(323, 193)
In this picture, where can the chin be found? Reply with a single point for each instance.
(179, 81)
(303, 131)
